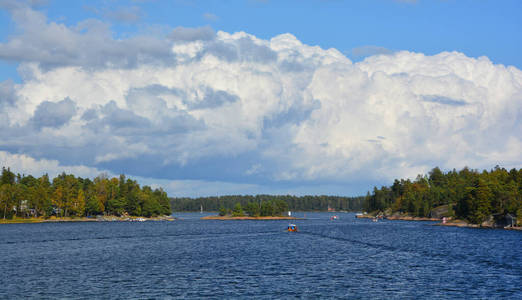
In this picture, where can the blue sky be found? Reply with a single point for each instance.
(475, 28)
(219, 97)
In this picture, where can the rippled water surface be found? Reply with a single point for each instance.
(191, 258)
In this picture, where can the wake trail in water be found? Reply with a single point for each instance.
(445, 256)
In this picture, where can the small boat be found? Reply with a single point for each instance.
(292, 228)
(334, 218)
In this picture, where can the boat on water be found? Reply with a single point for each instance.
(332, 218)
(292, 228)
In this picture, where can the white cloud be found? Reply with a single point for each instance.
(24, 164)
(228, 105)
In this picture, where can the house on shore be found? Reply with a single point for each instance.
(507, 220)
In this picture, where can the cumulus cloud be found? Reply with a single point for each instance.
(188, 34)
(235, 108)
(7, 93)
(24, 164)
(49, 114)
(88, 44)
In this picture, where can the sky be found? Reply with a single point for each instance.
(247, 97)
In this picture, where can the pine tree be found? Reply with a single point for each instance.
(481, 206)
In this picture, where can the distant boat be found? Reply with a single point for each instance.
(334, 218)
(201, 209)
(292, 228)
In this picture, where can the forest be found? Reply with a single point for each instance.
(468, 194)
(294, 203)
(70, 196)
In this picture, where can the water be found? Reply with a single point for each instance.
(191, 258)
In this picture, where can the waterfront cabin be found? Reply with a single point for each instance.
(505, 221)
(510, 220)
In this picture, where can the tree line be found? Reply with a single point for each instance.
(68, 196)
(468, 194)
(269, 208)
(294, 203)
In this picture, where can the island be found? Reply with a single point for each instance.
(266, 210)
(465, 198)
(67, 198)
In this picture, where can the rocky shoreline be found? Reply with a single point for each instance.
(461, 223)
(448, 222)
(397, 218)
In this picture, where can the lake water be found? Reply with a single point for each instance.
(191, 258)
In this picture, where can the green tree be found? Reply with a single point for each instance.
(237, 211)
(222, 211)
(92, 205)
(480, 203)
(280, 207)
(7, 198)
(7, 177)
(163, 201)
(266, 208)
(252, 209)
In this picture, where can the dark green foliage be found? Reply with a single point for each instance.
(267, 209)
(280, 207)
(467, 193)
(294, 203)
(7, 177)
(222, 211)
(92, 206)
(67, 195)
(252, 209)
(238, 210)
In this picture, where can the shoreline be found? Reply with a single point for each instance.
(398, 218)
(85, 219)
(230, 218)
(450, 223)
(464, 224)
